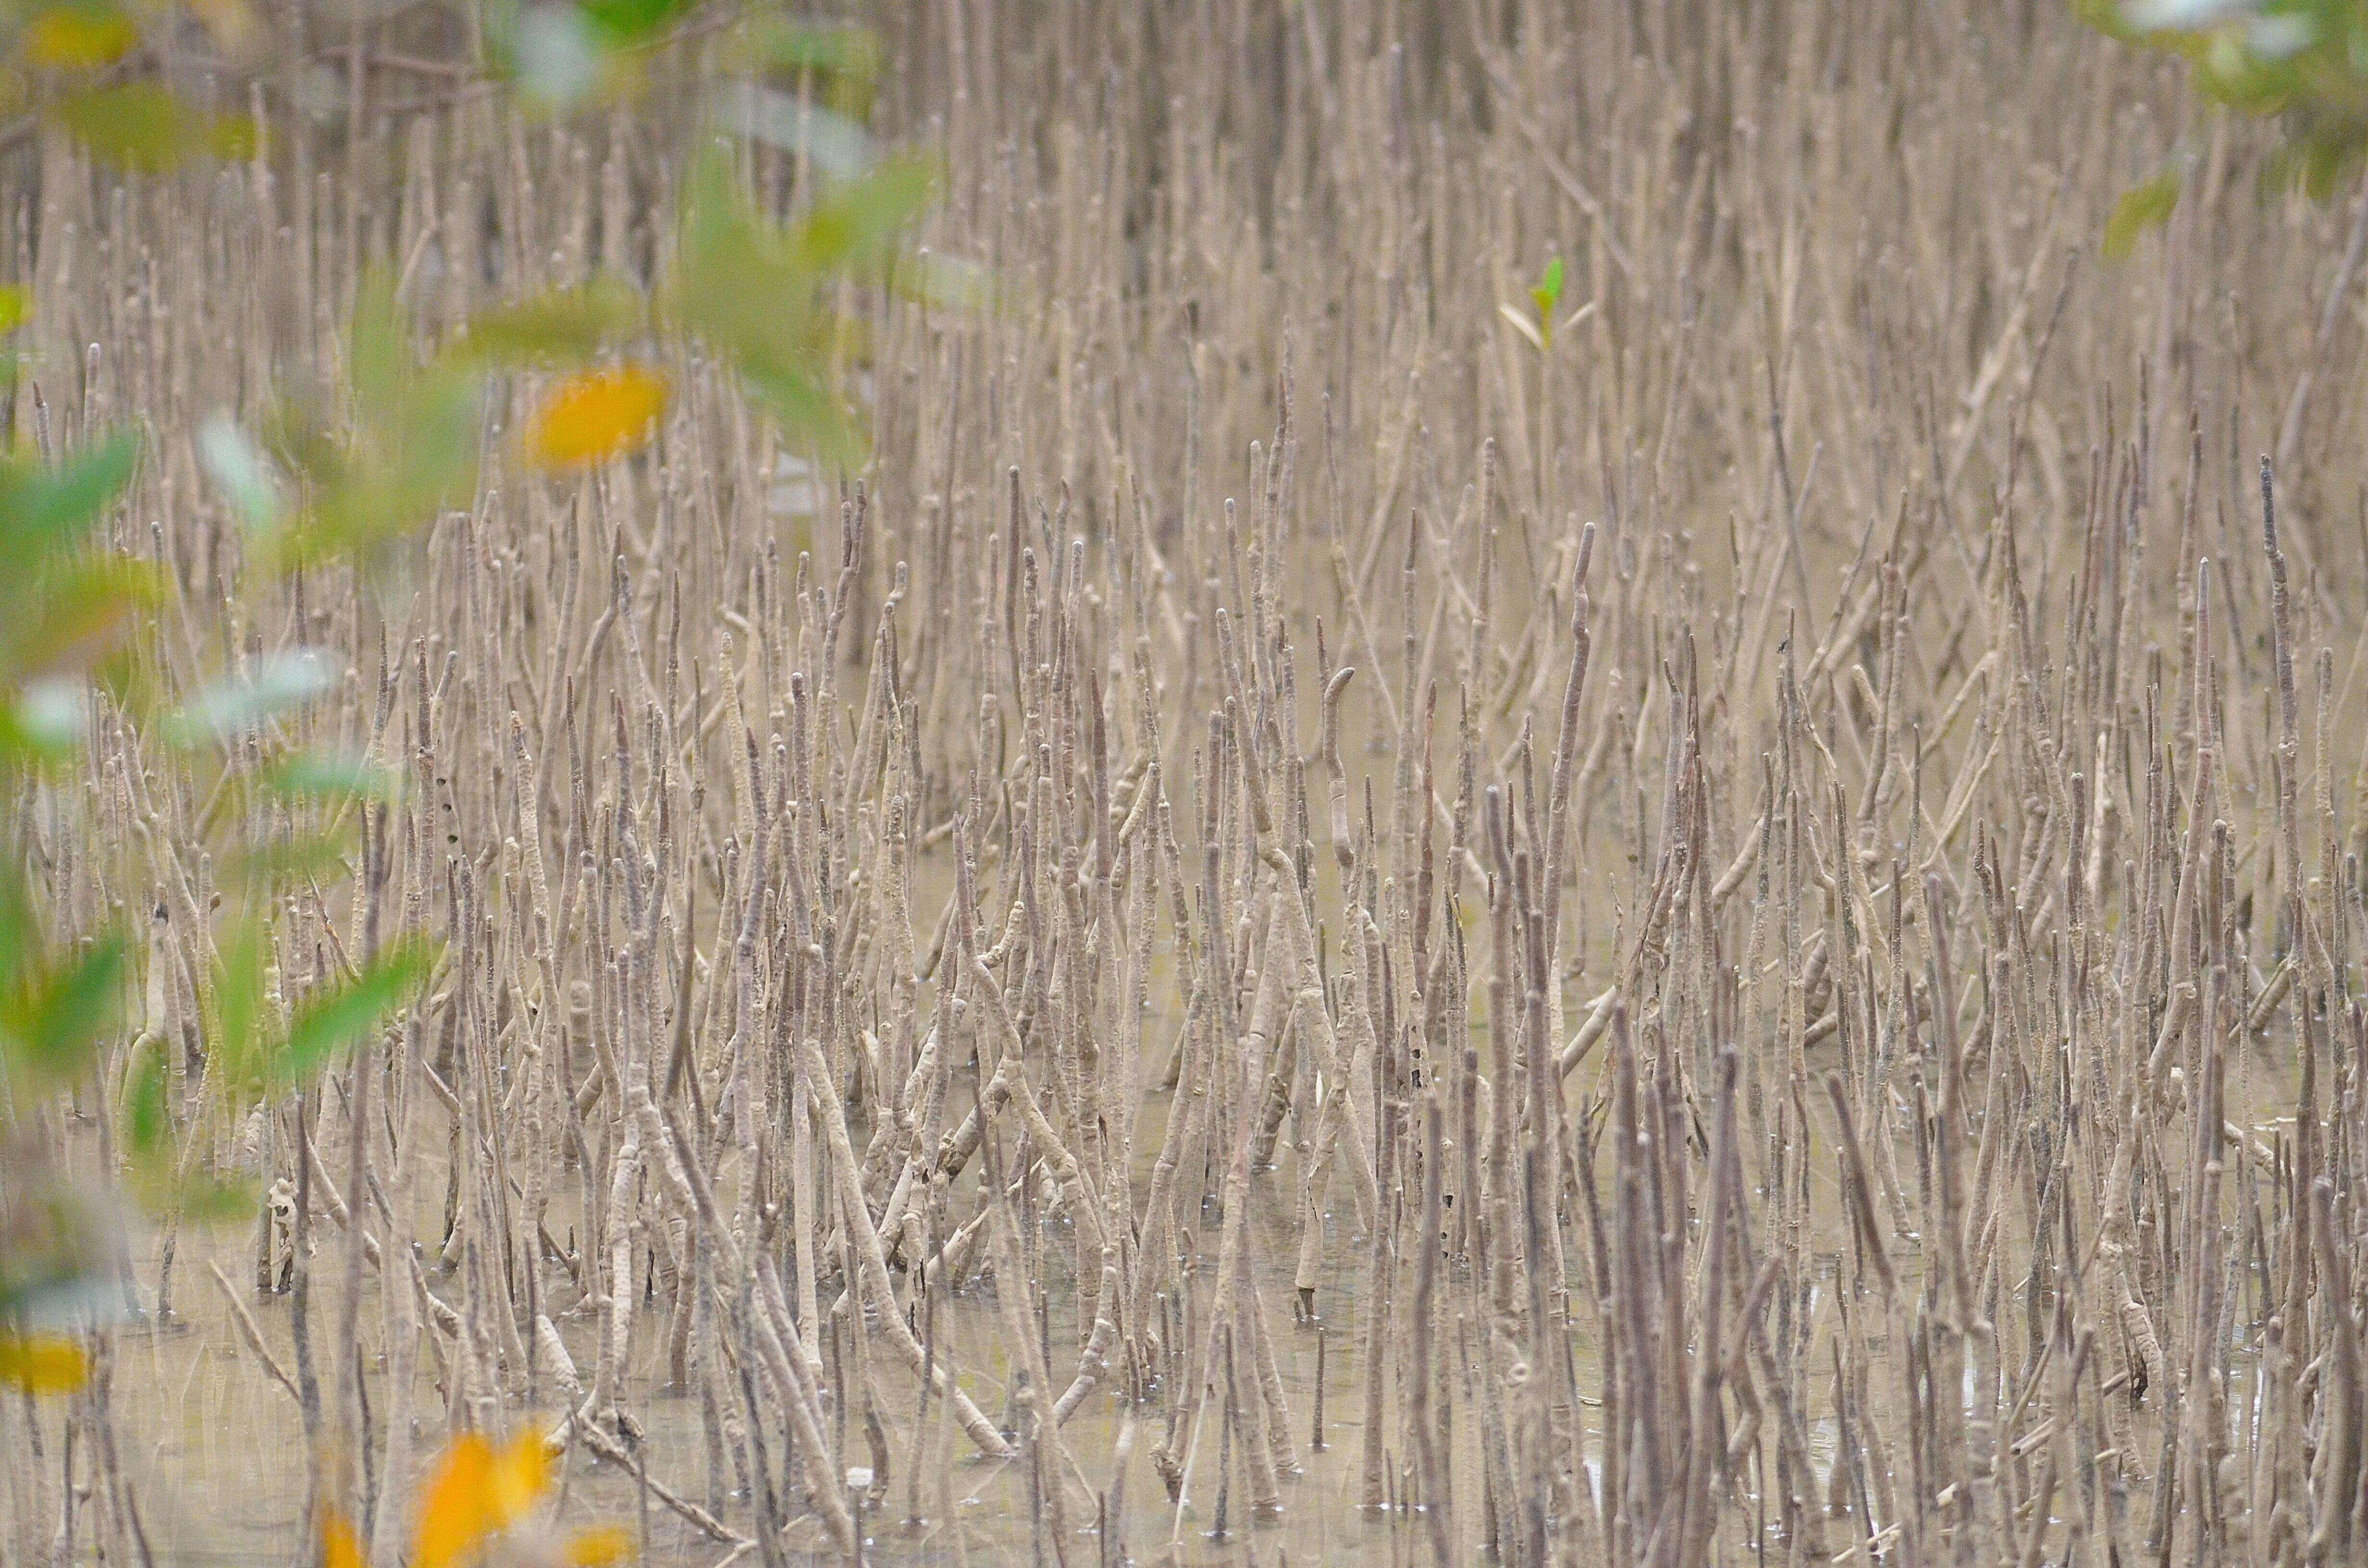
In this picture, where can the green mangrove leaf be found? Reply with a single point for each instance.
(341, 1012)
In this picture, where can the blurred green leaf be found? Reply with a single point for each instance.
(241, 471)
(44, 510)
(849, 54)
(751, 289)
(2146, 205)
(239, 955)
(560, 55)
(206, 1198)
(281, 858)
(734, 285)
(852, 226)
(561, 326)
(805, 408)
(947, 283)
(739, 289)
(146, 127)
(46, 723)
(836, 144)
(379, 359)
(60, 1239)
(210, 1197)
(80, 36)
(240, 703)
(321, 775)
(55, 1024)
(555, 55)
(21, 929)
(413, 449)
(626, 21)
(198, 1197)
(145, 1123)
(79, 614)
(2303, 63)
(341, 1012)
(58, 1026)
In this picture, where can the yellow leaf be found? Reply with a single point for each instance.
(42, 1364)
(521, 1474)
(598, 1548)
(16, 304)
(338, 1547)
(233, 138)
(597, 414)
(475, 1493)
(71, 39)
(454, 1507)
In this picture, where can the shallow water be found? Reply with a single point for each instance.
(215, 1449)
(217, 1454)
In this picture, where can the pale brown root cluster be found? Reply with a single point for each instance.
(1739, 911)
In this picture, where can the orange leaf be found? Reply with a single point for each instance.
(521, 1474)
(594, 415)
(455, 1511)
(598, 1548)
(338, 1547)
(70, 38)
(42, 1364)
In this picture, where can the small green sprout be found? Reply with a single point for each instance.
(1545, 294)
